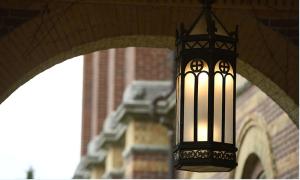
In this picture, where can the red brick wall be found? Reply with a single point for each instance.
(284, 143)
(86, 102)
(88, 86)
(102, 97)
(153, 64)
(119, 76)
(150, 64)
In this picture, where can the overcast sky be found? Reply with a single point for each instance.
(40, 124)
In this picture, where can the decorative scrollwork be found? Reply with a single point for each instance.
(196, 65)
(224, 67)
(205, 154)
(196, 44)
(223, 155)
(194, 154)
(224, 45)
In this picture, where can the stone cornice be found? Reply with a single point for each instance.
(113, 174)
(141, 104)
(112, 137)
(83, 168)
(145, 148)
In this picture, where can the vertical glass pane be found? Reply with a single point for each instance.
(178, 109)
(189, 85)
(202, 106)
(218, 108)
(229, 110)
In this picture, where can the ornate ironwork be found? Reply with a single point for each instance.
(195, 154)
(224, 67)
(212, 53)
(206, 154)
(196, 44)
(224, 45)
(197, 65)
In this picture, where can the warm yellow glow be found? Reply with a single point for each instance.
(189, 95)
(189, 107)
(202, 118)
(218, 132)
(202, 106)
(229, 110)
(188, 67)
(218, 83)
(189, 83)
(218, 108)
(203, 82)
(205, 67)
(202, 130)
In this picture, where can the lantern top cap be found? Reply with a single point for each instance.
(207, 23)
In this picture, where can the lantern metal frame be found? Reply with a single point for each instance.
(210, 48)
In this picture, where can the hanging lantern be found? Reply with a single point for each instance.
(205, 95)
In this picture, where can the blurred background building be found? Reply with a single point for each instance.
(125, 134)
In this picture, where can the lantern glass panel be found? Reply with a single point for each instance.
(189, 88)
(202, 106)
(229, 109)
(217, 135)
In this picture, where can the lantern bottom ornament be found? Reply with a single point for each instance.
(205, 157)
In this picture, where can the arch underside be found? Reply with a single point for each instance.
(266, 58)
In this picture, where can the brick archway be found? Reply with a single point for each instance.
(61, 30)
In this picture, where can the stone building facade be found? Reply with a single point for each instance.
(125, 134)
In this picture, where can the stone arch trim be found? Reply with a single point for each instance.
(85, 27)
(254, 139)
(271, 89)
(102, 44)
